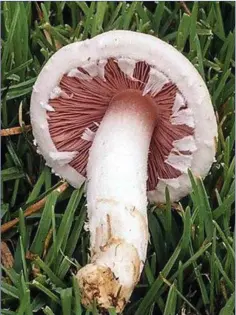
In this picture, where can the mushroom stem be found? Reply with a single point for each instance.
(117, 201)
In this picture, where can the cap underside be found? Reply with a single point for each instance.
(84, 95)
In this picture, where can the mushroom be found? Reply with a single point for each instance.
(131, 114)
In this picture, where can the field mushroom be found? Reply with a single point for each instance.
(131, 114)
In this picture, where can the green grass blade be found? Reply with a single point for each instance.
(229, 306)
(171, 302)
(44, 225)
(66, 298)
(9, 290)
(158, 15)
(47, 310)
(221, 269)
(40, 263)
(183, 31)
(76, 293)
(45, 290)
(222, 235)
(65, 225)
(12, 29)
(151, 294)
(99, 18)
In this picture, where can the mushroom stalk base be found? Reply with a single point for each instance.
(117, 201)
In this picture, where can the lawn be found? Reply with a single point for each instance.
(190, 267)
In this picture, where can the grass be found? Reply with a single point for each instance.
(190, 264)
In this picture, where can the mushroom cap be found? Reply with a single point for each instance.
(132, 46)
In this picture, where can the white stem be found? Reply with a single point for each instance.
(117, 202)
